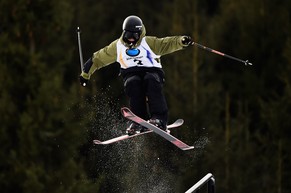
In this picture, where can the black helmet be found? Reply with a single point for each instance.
(132, 28)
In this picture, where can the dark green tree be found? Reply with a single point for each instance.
(39, 132)
(247, 29)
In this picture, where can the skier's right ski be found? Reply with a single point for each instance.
(126, 112)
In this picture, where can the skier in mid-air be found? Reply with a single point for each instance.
(141, 69)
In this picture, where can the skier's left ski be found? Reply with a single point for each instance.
(177, 123)
(120, 138)
(129, 115)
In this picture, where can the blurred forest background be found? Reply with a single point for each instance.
(237, 116)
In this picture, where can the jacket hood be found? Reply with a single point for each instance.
(143, 33)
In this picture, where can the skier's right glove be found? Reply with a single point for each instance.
(83, 81)
(187, 41)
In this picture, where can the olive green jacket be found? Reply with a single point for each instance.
(108, 54)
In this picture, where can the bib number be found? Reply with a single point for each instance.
(139, 62)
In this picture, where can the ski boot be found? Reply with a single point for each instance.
(159, 123)
(135, 128)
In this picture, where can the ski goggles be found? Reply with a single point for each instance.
(128, 35)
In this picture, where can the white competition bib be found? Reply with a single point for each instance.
(142, 56)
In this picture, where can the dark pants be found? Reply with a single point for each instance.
(146, 97)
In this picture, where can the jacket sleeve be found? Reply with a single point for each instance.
(166, 45)
(101, 58)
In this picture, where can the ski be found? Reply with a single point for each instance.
(177, 123)
(126, 112)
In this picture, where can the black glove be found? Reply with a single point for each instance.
(83, 81)
(187, 41)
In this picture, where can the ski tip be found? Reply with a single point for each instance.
(188, 148)
(125, 111)
(97, 142)
(180, 121)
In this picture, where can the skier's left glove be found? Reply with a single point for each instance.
(187, 41)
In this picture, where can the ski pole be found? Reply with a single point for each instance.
(246, 62)
(80, 48)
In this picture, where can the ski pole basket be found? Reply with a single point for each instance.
(209, 179)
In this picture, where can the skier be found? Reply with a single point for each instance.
(140, 68)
